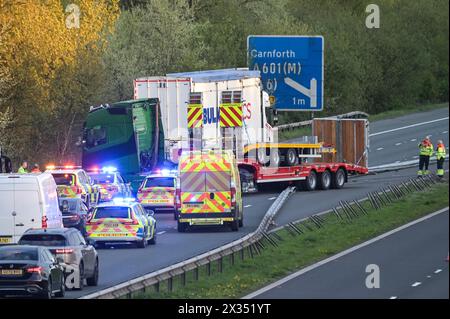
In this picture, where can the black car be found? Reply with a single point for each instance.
(30, 271)
(74, 213)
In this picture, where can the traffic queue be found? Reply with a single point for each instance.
(49, 242)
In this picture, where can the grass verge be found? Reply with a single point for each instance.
(306, 130)
(406, 110)
(294, 253)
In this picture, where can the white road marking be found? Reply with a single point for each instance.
(437, 271)
(444, 132)
(246, 206)
(414, 139)
(380, 148)
(339, 255)
(393, 297)
(415, 156)
(161, 232)
(428, 276)
(397, 144)
(271, 198)
(409, 126)
(417, 283)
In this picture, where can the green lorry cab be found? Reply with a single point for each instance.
(124, 135)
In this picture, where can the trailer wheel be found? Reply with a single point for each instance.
(310, 183)
(274, 157)
(325, 180)
(262, 156)
(291, 157)
(338, 179)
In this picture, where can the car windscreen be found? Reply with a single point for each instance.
(102, 178)
(112, 212)
(19, 254)
(43, 240)
(160, 182)
(64, 179)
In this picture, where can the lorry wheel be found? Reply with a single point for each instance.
(291, 157)
(338, 179)
(274, 157)
(262, 156)
(325, 180)
(181, 227)
(310, 183)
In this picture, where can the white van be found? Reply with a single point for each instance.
(27, 201)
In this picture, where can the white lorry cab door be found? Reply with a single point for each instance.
(6, 212)
(27, 210)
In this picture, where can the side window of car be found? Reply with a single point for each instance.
(119, 179)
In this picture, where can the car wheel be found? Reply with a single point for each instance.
(152, 241)
(291, 158)
(81, 279)
(93, 281)
(47, 294)
(338, 179)
(62, 289)
(325, 180)
(142, 243)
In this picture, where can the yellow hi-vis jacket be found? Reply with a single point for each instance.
(440, 151)
(425, 149)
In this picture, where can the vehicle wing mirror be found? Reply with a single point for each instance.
(59, 260)
(150, 212)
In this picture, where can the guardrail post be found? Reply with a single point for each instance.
(220, 264)
(208, 268)
(157, 286)
(196, 273)
(170, 284)
(183, 278)
(232, 258)
(242, 253)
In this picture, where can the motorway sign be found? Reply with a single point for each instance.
(291, 69)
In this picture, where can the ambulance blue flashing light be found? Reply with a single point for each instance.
(121, 200)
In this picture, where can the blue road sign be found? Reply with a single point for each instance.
(291, 70)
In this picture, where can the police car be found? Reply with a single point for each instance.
(72, 182)
(121, 221)
(157, 191)
(110, 183)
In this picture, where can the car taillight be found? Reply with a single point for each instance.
(79, 190)
(36, 270)
(44, 221)
(133, 222)
(64, 251)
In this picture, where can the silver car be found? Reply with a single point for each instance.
(80, 260)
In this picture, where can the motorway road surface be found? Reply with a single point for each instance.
(120, 264)
(412, 264)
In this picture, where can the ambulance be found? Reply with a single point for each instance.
(208, 190)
